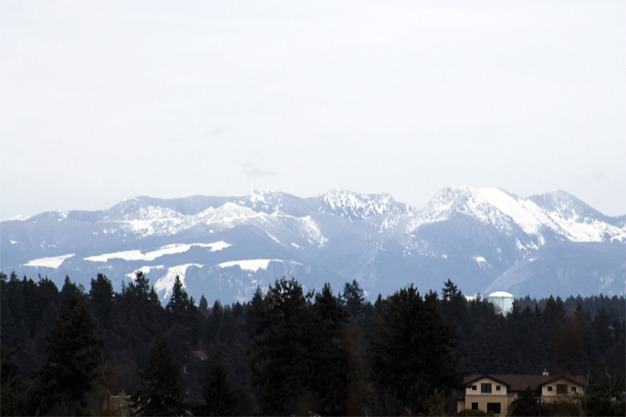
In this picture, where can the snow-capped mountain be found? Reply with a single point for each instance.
(557, 213)
(357, 206)
(224, 247)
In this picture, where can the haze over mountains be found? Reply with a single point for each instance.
(485, 239)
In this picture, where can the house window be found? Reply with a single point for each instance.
(561, 388)
(485, 388)
(573, 389)
(473, 387)
(550, 388)
(474, 406)
(493, 408)
(498, 387)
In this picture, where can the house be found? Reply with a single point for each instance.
(495, 392)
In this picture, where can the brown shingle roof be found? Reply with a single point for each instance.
(518, 382)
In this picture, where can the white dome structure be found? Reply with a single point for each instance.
(502, 301)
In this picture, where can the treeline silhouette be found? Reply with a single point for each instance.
(288, 351)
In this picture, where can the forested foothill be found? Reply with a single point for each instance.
(290, 350)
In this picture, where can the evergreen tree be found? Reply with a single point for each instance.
(215, 320)
(161, 393)
(331, 375)
(454, 314)
(412, 353)
(553, 320)
(219, 396)
(141, 285)
(183, 333)
(525, 347)
(310, 354)
(71, 370)
(179, 303)
(257, 308)
(281, 351)
(11, 393)
(101, 297)
(138, 319)
(70, 291)
(573, 343)
(354, 297)
(203, 306)
(450, 291)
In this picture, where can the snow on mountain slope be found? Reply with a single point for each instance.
(580, 222)
(253, 265)
(507, 212)
(164, 284)
(160, 221)
(146, 269)
(264, 200)
(358, 205)
(566, 204)
(49, 262)
(234, 243)
(171, 249)
(488, 205)
(151, 220)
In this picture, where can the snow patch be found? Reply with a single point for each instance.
(49, 262)
(17, 218)
(271, 236)
(525, 213)
(146, 269)
(165, 284)
(127, 255)
(359, 206)
(253, 265)
(587, 230)
(313, 232)
(506, 211)
(266, 200)
(172, 249)
(215, 246)
(227, 215)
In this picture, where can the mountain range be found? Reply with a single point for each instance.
(485, 239)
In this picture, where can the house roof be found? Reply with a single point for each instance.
(520, 382)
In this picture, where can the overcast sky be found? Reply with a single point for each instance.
(104, 100)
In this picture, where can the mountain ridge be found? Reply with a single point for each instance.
(480, 236)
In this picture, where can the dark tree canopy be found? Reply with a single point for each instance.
(161, 393)
(73, 361)
(289, 350)
(218, 392)
(411, 328)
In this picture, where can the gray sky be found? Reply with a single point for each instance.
(109, 99)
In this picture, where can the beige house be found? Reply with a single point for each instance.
(495, 392)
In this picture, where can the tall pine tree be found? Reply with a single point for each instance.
(412, 354)
(282, 349)
(219, 396)
(330, 363)
(161, 393)
(72, 365)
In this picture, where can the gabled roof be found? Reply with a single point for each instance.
(472, 378)
(575, 379)
(520, 382)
